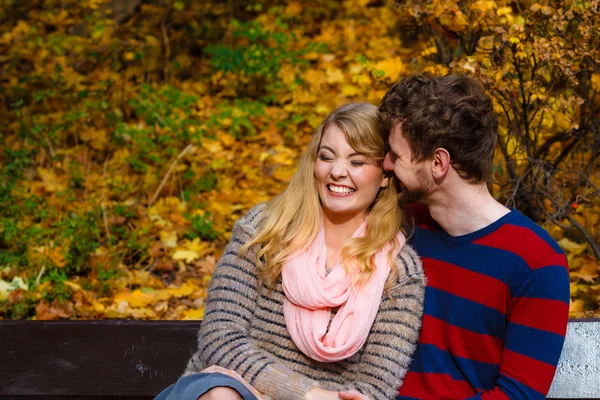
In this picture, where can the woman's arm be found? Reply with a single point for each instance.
(393, 338)
(224, 338)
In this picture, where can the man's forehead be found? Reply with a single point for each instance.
(396, 132)
(397, 124)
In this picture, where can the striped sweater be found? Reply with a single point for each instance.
(244, 330)
(496, 310)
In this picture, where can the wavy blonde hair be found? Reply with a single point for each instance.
(293, 218)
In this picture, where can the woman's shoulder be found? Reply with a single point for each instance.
(252, 219)
(409, 264)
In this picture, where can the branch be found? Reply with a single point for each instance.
(163, 28)
(563, 154)
(558, 137)
(586, 235)
(510, 168)
(524, 104)
(441, 50)
(166, 177)
(102, 206)
(513, 108)
(589, 181)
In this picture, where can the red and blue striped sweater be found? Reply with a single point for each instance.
(496, 311)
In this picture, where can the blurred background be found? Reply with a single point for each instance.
(136, 132)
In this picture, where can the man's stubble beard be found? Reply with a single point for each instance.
(408, 197)
(417, 194)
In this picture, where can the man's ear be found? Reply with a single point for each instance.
(440, 164)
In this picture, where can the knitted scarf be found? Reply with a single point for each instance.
(311, 293)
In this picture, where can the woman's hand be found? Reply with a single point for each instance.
(234, 375)
(352, 395)
(318, 393)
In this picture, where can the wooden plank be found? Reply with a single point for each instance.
(135, 360)
(93, 358)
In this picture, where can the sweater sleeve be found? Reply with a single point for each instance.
(380, 371)
(537, 324)
(224, 337)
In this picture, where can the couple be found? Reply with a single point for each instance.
(318, 295)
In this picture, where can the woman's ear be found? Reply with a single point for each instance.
(440, 164)
(385, 181)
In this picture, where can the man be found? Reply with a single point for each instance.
(496, 305)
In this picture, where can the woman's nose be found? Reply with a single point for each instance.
(339, 169)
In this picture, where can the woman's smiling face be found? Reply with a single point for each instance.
(346, 181)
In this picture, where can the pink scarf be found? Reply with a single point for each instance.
(311, 293)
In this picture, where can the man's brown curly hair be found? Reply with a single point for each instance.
(451, 112)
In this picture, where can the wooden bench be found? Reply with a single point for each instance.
(137, 359)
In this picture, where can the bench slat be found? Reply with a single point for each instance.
(100, 358)
(137, 359)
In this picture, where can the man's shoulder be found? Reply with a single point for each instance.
(527, 230)
(519, 235)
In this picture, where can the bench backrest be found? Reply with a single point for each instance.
(137, 359)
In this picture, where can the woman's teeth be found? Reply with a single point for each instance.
(340, 189)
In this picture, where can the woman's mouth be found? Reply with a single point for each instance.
(340, 191)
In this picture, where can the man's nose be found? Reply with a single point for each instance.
(388, 165)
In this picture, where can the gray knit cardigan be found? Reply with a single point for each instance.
(244, 330)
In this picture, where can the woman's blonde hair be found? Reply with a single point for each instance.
(293, 218)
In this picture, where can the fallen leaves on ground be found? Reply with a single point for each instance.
(132, 144)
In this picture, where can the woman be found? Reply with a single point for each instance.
(316, 292)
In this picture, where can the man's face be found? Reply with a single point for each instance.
(415, 181)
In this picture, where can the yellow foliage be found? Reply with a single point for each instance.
(334, 75)
(562, 121)
(97, 139)
(483, 6)
(351, 90)
(287, 74)
(284, 174)
(294, 8)
(193, 314)
(391, 67)
(7, 287)
(572, 248)
(168, 238)
(428, 51)
(140, 298)
(50, 181)
(502, 11)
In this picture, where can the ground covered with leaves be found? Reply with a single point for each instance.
(133, 139)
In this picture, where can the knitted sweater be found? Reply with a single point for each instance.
(244, 330)
(496, 311)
